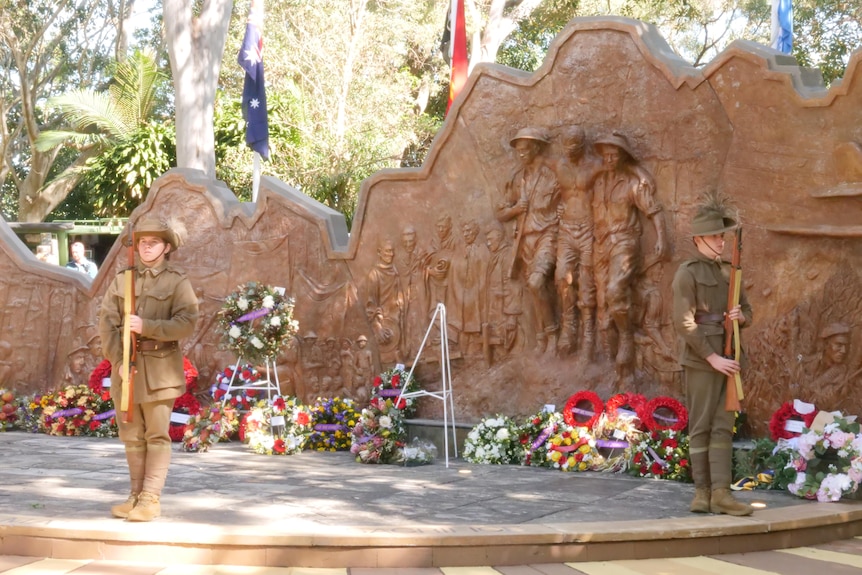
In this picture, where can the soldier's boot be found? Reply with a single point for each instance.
(699, 460)
(137, 460)
(551, 347)
(626, 351)
(541, 342)
(147, 507)
(568, 331)
(723, 501)
(588, 344)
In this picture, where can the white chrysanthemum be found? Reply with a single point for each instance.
(255, 341)
(268, 441)
(385, 421)
(268, 302)
(242, 303)
(275, 321)
(502, 434)
(294, 325)
(234, 332)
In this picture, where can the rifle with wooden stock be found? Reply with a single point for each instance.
(732, 347)
(130, 343)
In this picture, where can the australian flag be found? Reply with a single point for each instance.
(253, 90)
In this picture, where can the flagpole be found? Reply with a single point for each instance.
(255, 176)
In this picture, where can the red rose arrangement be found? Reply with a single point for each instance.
(185, 406)
(787, 412)
(662, 454)
(583, 409)
(390, 384)
(662, 413)
(241, 399)
(8, 409)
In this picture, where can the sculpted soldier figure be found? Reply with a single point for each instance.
(167, 310)
(411, 261)
(832, 376)
(700, 294)
(622, 191)
(575, 172)
(384, 303)
(470, 276)
(503, 300)
(531, 199)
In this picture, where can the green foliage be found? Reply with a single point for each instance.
(117, 180)
(763, 457)
(826, 32)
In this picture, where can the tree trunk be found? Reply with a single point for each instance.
(35, 202)
(497, 28)
(195, 45)
(124, 26)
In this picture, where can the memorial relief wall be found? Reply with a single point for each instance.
(549, 217)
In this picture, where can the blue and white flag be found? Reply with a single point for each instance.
(782, 25)
(253, 90)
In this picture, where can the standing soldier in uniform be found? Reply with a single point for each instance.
(700, 290)
(166, 312)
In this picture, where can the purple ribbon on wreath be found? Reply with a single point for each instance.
(389, 392)
(252, 315)
(657, 459)
(329, 427)
(65, 413)
(663, 418)
(542, 438)
(580, 411)
(106, 415)
(612, 444)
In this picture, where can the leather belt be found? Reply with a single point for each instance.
(702, 317)
(155, 345)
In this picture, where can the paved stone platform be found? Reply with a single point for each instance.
(231, 506)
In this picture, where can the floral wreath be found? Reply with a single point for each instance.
(256, 321)
(185, 406)
(787, 411)
(280, 428)
(103, 371)
(209, 427)
(332, 419)
(622, 403)
(391, 383)
(534, 434)
(494, 440)
(662, 454)
(573, 408)
(242, 399)
(574, 449)
(654, 421)
(827, 462)
(75, 410)
(379, 434)
(8, 409)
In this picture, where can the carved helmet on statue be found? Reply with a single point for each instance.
(714, 216)
(535, 134)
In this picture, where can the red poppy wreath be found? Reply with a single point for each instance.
(787, 412)
(662, 413)
(632, 402)
(583, 404)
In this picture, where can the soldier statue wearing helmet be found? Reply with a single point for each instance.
(530, 199)
(166, 311)
(700, 295)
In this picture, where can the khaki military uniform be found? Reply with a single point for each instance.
(700, 289)
(168, 306)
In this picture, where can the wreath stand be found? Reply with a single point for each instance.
(271, 387)
(445, 394)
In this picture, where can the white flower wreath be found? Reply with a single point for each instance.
(256, 321)
(493, 441)
(827, 462)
